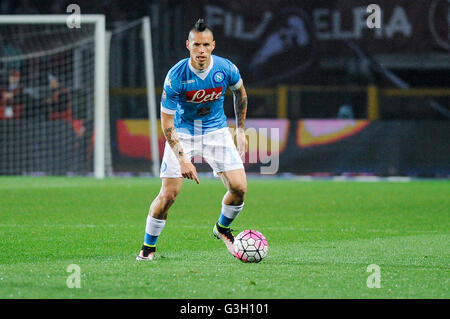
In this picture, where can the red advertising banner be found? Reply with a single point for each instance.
(322, 132)
(315, 146)
(133, 139)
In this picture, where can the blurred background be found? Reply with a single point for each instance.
(345, 98)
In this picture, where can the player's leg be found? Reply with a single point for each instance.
(156, 219)
(233, 201)
(224, 159)
(232, 204)
(157, 215)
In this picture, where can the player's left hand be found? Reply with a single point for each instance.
(242, 143)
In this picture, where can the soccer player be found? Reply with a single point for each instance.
(13, 98)
(194, 123)
(59, 105)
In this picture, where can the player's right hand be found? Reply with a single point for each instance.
(188, 171)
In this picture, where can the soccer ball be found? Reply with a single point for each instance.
(250, 246)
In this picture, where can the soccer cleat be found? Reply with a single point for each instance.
(225, 234)
(146, 253)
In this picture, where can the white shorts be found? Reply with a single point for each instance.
(217, 149)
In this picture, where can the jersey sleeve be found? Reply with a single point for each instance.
(170, 96)
(235, 77)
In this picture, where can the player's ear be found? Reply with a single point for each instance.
(187, 44)
(213, 45)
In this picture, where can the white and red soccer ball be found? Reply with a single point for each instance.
(250, 246)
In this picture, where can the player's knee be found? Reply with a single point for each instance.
(239, 191)
(168, 198)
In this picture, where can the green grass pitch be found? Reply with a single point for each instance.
(322, 237)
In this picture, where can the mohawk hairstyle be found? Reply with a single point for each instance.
(200, 25)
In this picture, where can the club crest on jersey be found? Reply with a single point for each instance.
(204, 96)
(218, 77)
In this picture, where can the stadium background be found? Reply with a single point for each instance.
(346, 99)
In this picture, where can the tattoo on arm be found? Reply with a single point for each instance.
(174, 143)
(240, 106)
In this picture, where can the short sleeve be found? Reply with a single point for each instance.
(170, 96)
(235, 77)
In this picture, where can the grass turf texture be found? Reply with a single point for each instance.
(322, 237)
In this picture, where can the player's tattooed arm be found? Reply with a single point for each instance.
(187, 168)
(172, 139)
(240, 106)
(240, 109)
(171, 135)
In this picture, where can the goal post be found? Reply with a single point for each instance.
(39, 40)
(41, 136)
(151, 98)
(100, 95)
(132, 67)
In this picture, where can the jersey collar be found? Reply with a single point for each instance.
(202, 74)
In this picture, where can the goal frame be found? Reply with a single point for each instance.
(99, 73)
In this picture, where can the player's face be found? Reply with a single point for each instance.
(53, 84)
(13, 79)
(200, 46)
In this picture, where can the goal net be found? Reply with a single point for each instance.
(52, 93)
(131, 103)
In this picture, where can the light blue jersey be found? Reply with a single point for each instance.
(198, 96)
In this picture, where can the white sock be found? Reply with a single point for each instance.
(154, 226)
(229, 213)
(153, 229)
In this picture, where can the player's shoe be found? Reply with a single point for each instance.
(146, 253)
(225, 234)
